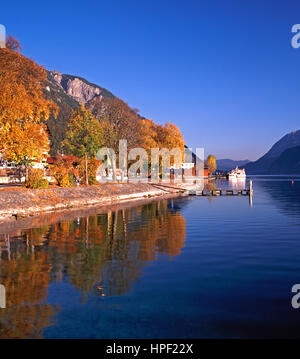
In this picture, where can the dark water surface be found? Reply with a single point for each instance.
(180, 268)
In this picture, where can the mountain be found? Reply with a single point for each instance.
(287, 163)
(79, 88)
(228, 164)
(67, 91)
(264, 164)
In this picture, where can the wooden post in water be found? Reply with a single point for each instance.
(2, 297)
(250, 188)
(250, 192)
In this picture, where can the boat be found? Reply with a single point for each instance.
(237, 173)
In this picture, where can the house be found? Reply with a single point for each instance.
(69, 159)
(189, 168)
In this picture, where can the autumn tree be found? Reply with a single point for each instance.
(21, 97)
(211, 163)
(92, 167)
(119, 121)
(24, 143)
(23, 107)
(148, 135)
(153, 135)
(13, 44)
(169, 136)
(84, 136)
(63, 171)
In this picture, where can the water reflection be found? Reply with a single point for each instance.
(101, 254)
(284, 192)
(25, 273)
(237, 183)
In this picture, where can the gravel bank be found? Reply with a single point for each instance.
(19, 202)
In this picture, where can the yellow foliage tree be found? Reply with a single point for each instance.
(171, 137)
(24, 143)
(158, 136)
(211, 163)
(64, 172)
(147, 134)
(21, 96)
(23, 136)
(152, 135)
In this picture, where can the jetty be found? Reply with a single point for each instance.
(220, 192)
(191, 189)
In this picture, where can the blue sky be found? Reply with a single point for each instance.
(224, 71)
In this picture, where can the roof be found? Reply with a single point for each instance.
(194, 156)
(73, 159)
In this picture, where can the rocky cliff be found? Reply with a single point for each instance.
(67, 91)
(78, 88)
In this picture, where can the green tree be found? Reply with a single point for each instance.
(84, 136)
(211, 163)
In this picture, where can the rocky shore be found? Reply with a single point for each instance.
(19, 202)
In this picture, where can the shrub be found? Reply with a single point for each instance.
(63, 171)
(35, 179)
(65, 181)
(93, 165)
(71, 178)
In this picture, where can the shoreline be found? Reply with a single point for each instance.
(19, 203)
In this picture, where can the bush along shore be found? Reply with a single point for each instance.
(18, 202)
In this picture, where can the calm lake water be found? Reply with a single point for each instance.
(193, 267)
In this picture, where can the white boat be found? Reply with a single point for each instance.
(237, 173)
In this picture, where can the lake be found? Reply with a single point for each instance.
(189, 267)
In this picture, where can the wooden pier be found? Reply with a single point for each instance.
(192, 190)
(220, 192)
(224, 192)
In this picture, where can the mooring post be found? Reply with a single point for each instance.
(250, 188)
(250, 193)
(2, 297)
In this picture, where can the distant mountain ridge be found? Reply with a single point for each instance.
(266, 164)
(287, 163)
(227, 164)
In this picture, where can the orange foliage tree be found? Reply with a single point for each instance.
(211, 163)
(64, 172)
(25, 143)
(12, 43)
(169, 136)
(148, 135)
(21, 96)
(158, 136)
(23, 107)
(152, 135)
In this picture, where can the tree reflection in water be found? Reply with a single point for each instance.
(100, 255)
